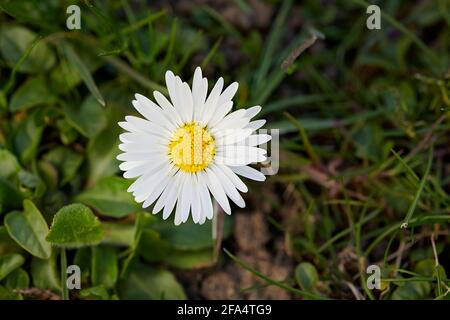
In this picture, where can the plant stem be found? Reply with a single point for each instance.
(65, 290)
(217, 229)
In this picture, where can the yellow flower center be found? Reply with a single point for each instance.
(192, 148)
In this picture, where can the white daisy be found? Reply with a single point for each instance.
(190, 147)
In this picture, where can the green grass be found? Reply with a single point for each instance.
(364, 122)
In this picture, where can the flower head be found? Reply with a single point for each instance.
(190, 147)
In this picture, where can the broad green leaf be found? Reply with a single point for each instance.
(28, 134)
(89, 118)
(43, 14)
(18, 279)
(9, 163)
(10, 196)
(152, 247)
(95, 293)
(65, 76)
(82, 259)
(14, 41)
(190, 236)
(75, 226)
(416, 290)
(29, 229)
(146, 283)
(103, 149)
(190, 259)
(66, 160)
(118, 234)
(105, 268)
(9, 263)
(45, 274)
(7, 294)
(412, 290)
(110, 197)
(32, 93)
(75, 60)
(7, 245)
(306, 276)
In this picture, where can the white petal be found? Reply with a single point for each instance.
(255, 125)
(150, 184)
(143, 169)
(143, 138)
(257, 139)
(159, 187)
(199, 100)
(183, 202)
(163, 198)
(138, 156)
(185, 115)
(211, 102)
(187, 101)
(138, 147)
(249, 172)
(228, 93)
(169, 109)
(234, 120)
(232, 136)
(128, 165)
(196, 206)
(253, 111)
(237, 182)
(146, 126)
(205, 197)
(216, 190)
(173, 195)
(220, 113)
(228, 187)
(151, 111)
(236, 155)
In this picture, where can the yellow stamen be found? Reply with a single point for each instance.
(192, 148)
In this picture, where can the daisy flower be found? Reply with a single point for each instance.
(189, 148)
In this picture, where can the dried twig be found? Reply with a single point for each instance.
(299, 50)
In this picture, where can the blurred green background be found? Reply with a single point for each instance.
(364, 120)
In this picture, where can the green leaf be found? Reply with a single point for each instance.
(416, 290)
(6, 294)
(152, 247)
(28, 229)
(82, 117)
(45, 274)
(7, 245)
(32, 93)
(83, 260)
(75, 226)
(18, 279)
(44, 14)
(14, 41)
(103, 149)
(145, 283)
(66, 160)
(190, 259)
(118, 234)
(10, 197)
(105, 268)
(190, 236)
(95, 293)
(9, 263)
(28, 135)
(10, 165)
(110, 197)
(306, 276)
(75, 60)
